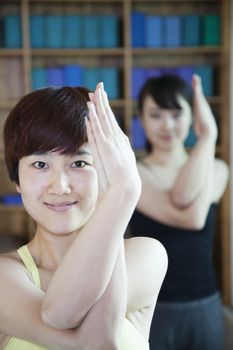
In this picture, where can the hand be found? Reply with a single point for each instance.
(113, 156)
(204, 122)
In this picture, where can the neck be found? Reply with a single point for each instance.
(174, 158)
(48, 250)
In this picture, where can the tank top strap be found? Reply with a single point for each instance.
(29, 263)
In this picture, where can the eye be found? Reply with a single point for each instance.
(154, 115)
(40, 165)
(78, 164)
(177, 114)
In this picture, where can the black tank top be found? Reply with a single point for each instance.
(190, 274)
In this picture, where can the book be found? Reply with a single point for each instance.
(91, 37)
(139, 75)
(72, 31)
(38, 78)
(37, 31)
(138, 137)
(55, 76)
(137, 29)
(12, 31)
(186, 73)
(73, 75)
(191, 138)
(191, 29)
(206, 73)
(172, 31)
(211, 34)
(153, 31)
(54, 31)
(110, 78)
(109, 31)
(91, 77)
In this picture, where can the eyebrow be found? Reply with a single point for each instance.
(78, 153)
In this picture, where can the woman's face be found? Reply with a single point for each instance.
(166, 128)
(59, 191)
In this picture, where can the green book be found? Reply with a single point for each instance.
(211, 34)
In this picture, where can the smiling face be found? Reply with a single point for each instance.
(59, 191)
(166, 128)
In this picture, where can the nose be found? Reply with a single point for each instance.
(59, 184)
(168, 122)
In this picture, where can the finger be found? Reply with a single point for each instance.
(102, 179)
(101, 111)
(95, 123)
(197, 85)
(109, 112)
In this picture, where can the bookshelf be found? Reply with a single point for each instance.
(124, 56)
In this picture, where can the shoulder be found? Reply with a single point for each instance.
(221, 176)
(11, 267)
(222, 167)
(146, 261)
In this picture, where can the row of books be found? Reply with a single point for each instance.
(63, 31)
(206, 72)
(138, 137)
(103, 31)
(175, 31)
(77, 75)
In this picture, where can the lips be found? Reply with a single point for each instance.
(60, 207)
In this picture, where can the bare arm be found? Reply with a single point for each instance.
(97, 244)
(198, 170)
(100, 329)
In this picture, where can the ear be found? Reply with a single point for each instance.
(18, 189)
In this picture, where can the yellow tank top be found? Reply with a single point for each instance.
(131, 339)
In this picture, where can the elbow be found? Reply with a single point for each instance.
(51, 319)
(58, 319)
(179, 200)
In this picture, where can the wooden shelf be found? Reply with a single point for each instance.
(11, 209)
(203, 50)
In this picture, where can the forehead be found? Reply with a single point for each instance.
(150, 103)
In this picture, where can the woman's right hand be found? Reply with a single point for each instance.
(204, 121)
(113, 156)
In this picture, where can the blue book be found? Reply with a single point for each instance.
(73, 75)
(153, 31)
(38, 78)
(191, 138)
(109, 31)
(138, 137)
(170, 70)
(12, 199)
(91, 77)
(172, 31)
(153, 72)
(91, 37)
(138, 29)
(206, 72)
(191, 30)
(55, 76)
(186, 73)
(37, 31)
(54, 31)
(12, 31)
(72, 31)
(139, 75)
(110, 78)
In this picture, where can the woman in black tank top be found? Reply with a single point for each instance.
(177, 206)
